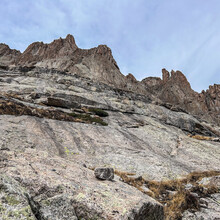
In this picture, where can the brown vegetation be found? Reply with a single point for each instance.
(205, 138)
(200, 137)
(88, 118)
(11, 107)
(174, 193)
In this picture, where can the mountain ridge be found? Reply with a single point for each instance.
(98, 64)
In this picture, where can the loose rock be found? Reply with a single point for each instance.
(104, 173)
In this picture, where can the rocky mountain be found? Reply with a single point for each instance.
(173, 90)
(64, 55)
(65, 111)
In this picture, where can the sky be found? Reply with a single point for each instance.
(144, 35)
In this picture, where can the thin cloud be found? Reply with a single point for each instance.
(145, 36)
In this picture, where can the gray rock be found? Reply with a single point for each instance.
(148, 211)
(213, 181)
(104, 173)
(56, 102)
(14, 203)
(57, 207)
(158, 148)
(188, 186)
(73, 192)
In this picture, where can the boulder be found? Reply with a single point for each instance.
(104, 173)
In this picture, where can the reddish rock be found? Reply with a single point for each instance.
(131, 78)
(152, 81)
(165, 75)
(211, 97)
(177, 92)
(38, 51)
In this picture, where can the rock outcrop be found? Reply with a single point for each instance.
(63, 54)
(47, 54)
(175, 91)
(7, 56)
(212, 99)
(65, 111)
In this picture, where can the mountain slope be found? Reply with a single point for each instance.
(52, 137)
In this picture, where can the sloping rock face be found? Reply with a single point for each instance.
(140, 137)
(50, 187)
(53, 136)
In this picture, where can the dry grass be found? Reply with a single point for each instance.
(197, 176)
(172, 193)
(200, 137)
(88, 118)
(11, 107)
(98, 112)
(120, 173)
(180, 202)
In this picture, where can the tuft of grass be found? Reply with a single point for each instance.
(98, 112)
(88, 118)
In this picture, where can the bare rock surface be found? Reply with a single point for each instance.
(14, 200)
(60, 188)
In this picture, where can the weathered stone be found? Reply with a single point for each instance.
(56, 102)
(72, 191)
(14, 203)
(131, 78)
(104, 173)
(99, 65)
(210, 211)
(148, 211)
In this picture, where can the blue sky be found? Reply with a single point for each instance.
(144, 35)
